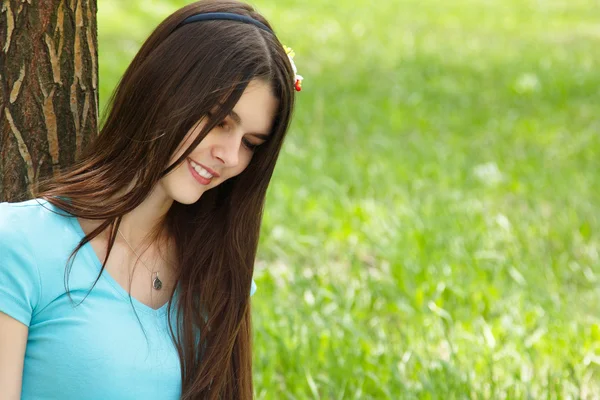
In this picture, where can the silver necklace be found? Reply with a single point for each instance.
(156, 282)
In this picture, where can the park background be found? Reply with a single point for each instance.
(432, 230)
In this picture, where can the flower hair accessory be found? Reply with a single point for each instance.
(297, 78)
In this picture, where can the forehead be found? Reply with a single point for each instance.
(256, 107)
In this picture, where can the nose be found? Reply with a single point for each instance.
(227, 150)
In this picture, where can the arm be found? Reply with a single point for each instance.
(13, 340)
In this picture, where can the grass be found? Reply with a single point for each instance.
(432, 230)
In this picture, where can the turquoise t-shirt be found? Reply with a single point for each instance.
(96, 350)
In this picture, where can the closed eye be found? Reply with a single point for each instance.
(262, 138)
(249, 145)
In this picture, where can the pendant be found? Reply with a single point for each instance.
(157, 283)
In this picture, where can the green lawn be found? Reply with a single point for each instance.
(432, 230)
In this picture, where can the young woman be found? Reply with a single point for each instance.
(129, 276)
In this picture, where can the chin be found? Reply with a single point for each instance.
(188, 198)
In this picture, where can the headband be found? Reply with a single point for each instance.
(225, 16)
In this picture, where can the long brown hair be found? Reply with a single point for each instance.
(178, 78)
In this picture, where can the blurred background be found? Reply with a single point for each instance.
(432, 230)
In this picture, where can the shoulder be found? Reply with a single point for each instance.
(14, 215)
(29, 218)
(24, 211)
(36, 240)
(20, 281)
(20, 225)
(34, 226)
(14, 220)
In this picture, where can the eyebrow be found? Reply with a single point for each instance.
(238, 120)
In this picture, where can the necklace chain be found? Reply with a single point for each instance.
(156, 282)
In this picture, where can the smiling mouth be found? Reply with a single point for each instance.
(201, 179)
(203, 172)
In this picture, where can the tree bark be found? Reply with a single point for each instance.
(48, 89)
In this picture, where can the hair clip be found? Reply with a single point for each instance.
(297, 78)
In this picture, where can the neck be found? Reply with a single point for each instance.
(147, 217)
(139, 224)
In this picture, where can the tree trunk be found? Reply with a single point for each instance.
(48, 89)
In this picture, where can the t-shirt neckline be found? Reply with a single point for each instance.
(91, 255)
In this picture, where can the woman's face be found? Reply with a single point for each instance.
(226, 150)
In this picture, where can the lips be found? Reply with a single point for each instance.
(210, 171)
(201, 175)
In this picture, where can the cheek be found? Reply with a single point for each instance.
(180, 150)
(187, 141)
(175, 157)
(244, 161)
(174, 178)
